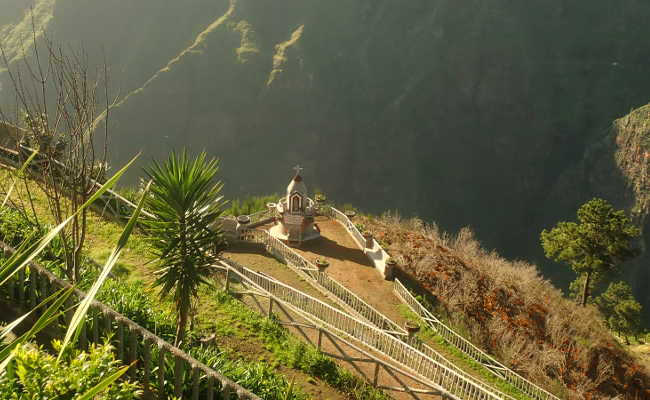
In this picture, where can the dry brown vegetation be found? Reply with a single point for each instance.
(508, 309)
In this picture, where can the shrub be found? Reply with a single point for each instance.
(250, 205)
(258, 377)
(14, 227)
(512, 312)
(131, 300)
(35, 374)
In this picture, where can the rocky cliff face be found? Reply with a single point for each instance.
(615, 167)
(473, 113)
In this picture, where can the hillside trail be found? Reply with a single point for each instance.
(350, 267)
(365, 370)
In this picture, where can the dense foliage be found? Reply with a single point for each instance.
(621, 310)
(136, 303)
(595, 245)
(16, 227)
(250, 205)
(132, 300)
(35, 374)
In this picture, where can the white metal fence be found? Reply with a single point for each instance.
(434, 367)
(470, 349)
(302, 265)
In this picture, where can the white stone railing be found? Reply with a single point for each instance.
(260, 216)
(432, 366)
(343, 219)
(348, 298)
(376, 254)
(469, 349)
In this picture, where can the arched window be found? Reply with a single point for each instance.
(296, 201)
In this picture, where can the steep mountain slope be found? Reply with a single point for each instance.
(615, 167)
(465, 113)
(509, 310)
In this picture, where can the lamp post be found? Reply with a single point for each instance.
(389, 270)
(322, 264)
(242, 223)
(411, 328)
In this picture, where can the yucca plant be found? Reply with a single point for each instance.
(185, 199)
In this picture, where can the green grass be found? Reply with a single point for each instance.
(217, 313)
(291, 352)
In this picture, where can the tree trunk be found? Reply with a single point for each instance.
(180, 329)
(585, 289)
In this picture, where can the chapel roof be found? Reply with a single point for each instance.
(297, 185)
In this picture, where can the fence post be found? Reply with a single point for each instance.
(270, 306)
(161, 372)
(21, 287)
(146, 366)
(178, 374)
(227, 286)
(376, 377)
(226, 390)
(133, 350)
(43, 281)
(83, 337)
(320, 337)
(32, 287)
(210, 394)
(11, 289)
(120, 341)
(196, 375)
(95, 327)
(108, 324)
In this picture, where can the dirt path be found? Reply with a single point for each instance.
(254, 256)
(350, 267)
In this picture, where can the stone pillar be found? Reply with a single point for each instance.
(370, 239)
(242, 224)
(389, 269)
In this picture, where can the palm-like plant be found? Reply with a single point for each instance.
(184, 201)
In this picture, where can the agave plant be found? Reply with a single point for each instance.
(184, 201)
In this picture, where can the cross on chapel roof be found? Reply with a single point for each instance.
(297, 178)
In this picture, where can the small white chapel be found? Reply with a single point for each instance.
(295, 214)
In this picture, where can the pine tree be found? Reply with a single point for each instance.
(594, 246)
(621, 310)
